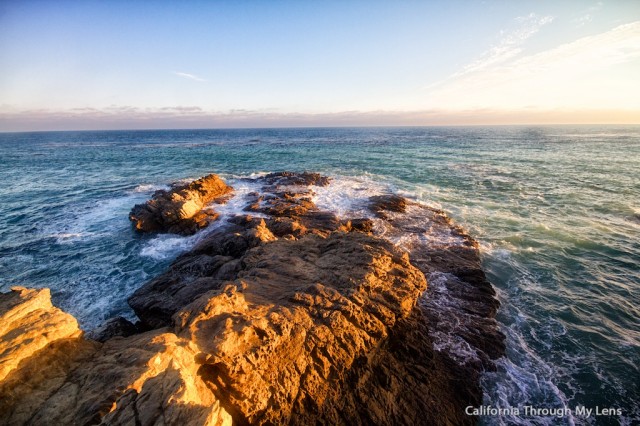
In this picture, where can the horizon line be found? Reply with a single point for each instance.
(150, 129)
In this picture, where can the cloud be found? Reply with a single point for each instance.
(587, 15)
(510, 43)
(192, 117)
(594, 71)
(508, 46)
(189, 76)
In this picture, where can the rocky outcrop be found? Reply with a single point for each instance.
(29, 323)
(65, 379)
(284, 197)
(457, 313)
(215, 261)
(297, 319)
(284, 315)
(182, 210)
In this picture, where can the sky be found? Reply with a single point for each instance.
(79, 65)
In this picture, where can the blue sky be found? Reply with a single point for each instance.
(137, 64)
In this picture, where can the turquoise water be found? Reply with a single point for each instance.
(556, 210)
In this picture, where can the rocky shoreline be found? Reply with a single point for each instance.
(287, 314)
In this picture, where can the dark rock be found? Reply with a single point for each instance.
(362, 225)
(390, 202)
(113, 327)
(295, 179)
(212, 262)
(460, 302)
(284, 226)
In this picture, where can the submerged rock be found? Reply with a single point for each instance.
(183, 209)
(295, 317)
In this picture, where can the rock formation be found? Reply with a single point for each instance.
(284, 315)
(182, 210)
(29, 323)
(54, 376)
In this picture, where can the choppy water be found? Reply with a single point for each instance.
(556, 209)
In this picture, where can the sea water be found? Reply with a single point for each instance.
(556, 211)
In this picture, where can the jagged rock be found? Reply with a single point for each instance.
(295, 179)
(297, 318)
(29, 323)
(183, 209)
(211, 263)
(39, 346)
(293, 323)
(217, 257)
(148, 379)
(301, 312)
(361, 225)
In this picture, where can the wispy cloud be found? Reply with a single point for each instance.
(510, 43)
(587, 15)
(508, 46)
(572, 75)
(188, 76)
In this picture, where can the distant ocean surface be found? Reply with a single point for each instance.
(555, 209)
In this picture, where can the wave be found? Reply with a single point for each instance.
(149, 188)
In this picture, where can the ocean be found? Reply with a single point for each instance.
(556, 211)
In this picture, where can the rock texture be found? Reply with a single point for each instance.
(295, 322)
(28, 324)
(183, 209)
(284, 315)
(146, 379)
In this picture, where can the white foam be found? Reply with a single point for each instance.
(348, 196)
(451, 319)
(520, 382)
(69, 237)
(454, 346)
(254, 175)
(236, 204)
(150, 188)
(92, 220)
(166, 246)
(437, 281)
